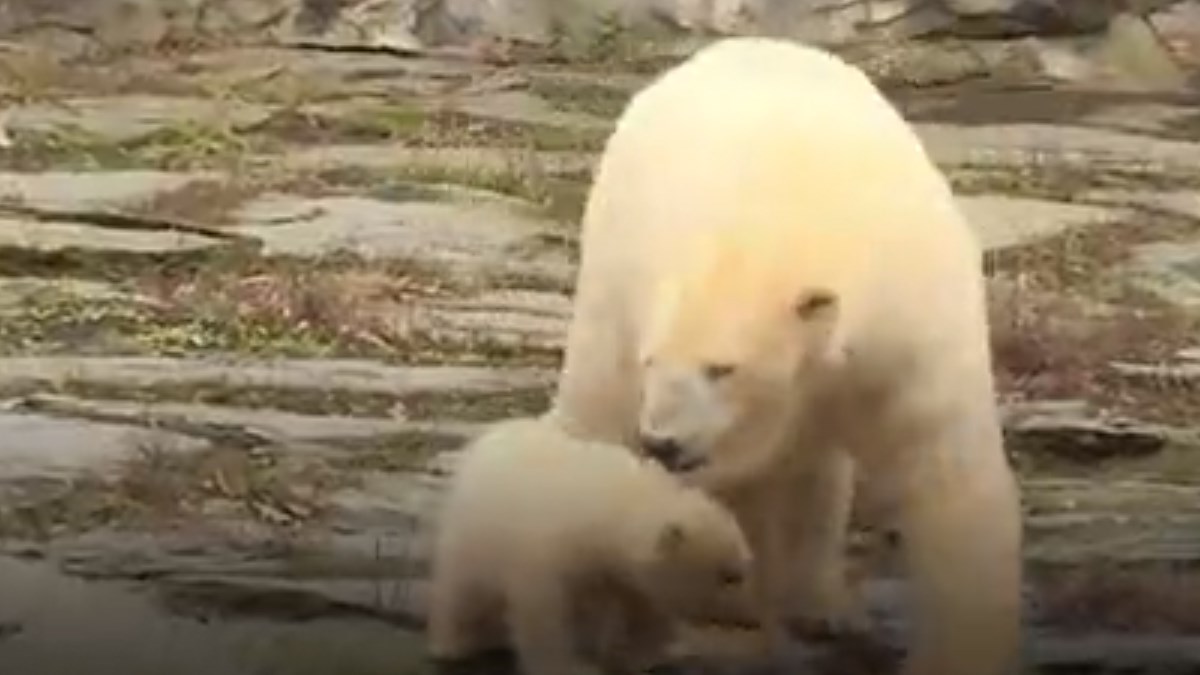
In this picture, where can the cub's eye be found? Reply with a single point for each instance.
(730, 577)
(718, 371)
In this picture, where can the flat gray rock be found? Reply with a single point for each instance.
(92, 190)
(526, 108)
(349, 375)
(59, 622)
(1083, 439)
(54, 236)
(57, 448)
(123, 118)
(279, 428)
(1185, 203)
(472, 237)
(1170, 270)
(1003, 221)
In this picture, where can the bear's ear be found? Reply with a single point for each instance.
(815, 304)
(670, 538)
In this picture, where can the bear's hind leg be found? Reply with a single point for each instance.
(960, 520)
(461, 619)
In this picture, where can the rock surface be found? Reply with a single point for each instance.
(311, 274)
(406, 25)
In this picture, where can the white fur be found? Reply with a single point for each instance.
(563, 549)
(762, 206)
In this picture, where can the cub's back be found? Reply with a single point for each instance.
(527, 473)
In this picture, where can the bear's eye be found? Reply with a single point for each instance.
(730, 576)
(718, 371)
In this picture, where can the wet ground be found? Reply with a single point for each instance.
(254, 299)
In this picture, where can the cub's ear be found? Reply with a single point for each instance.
(671, 538)
(816, 304)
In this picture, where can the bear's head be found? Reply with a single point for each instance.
(736, 338)
(695, 562)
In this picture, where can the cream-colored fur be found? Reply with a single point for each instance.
(576, 552)
(775, 278)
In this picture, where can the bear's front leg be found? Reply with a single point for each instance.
(597, 395)
(632, 636)
(812, 519)
(960, 519)
(754, 505)
(542, 631)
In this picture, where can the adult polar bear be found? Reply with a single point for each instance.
(776, 289)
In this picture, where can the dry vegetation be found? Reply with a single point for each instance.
(1157, 600)
(1062, 312)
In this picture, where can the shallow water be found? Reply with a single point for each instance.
(53, 624)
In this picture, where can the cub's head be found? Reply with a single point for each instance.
(735, 340)
(699, 564)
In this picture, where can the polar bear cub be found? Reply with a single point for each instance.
(777, 291)
(544, 539)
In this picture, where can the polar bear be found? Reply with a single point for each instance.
(776, 291)
(576, 552)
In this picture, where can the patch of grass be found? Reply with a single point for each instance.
(423, 128)
(246, 304)
(161, 484)
(31, 76)
(190, 144)
(560, 198)
(65, 146)
(1184, 127)
(62, 323)
(273, 309)
(1080, 260)
(1061, 312)
(590, 98)
(510, 180)
(1062, 180)
(187, 144)
(117, 266)
(477, 408)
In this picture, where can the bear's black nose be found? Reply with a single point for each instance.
(663, 449)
